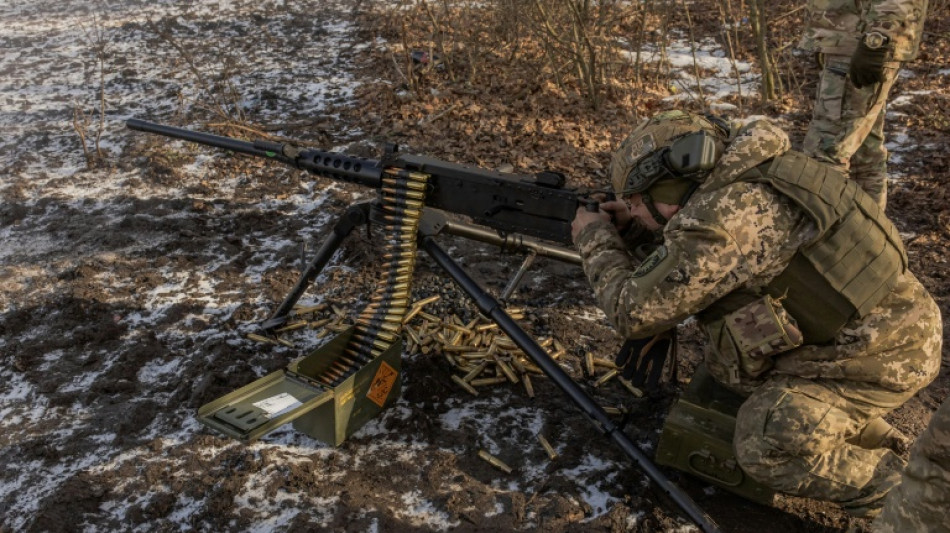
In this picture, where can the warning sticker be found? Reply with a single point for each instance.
(382, 384)
(276, 405)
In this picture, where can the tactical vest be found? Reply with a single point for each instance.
(851, 265)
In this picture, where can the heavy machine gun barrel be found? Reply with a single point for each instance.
(536, 205)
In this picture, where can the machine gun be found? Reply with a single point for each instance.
(333, 391)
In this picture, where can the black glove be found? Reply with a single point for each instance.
(647, 362)
(867, 65)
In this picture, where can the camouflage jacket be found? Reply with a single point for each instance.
(834, 26)
(740, 237)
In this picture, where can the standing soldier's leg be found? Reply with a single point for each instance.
(792, 434)
(869, 162)
(843, 120)
(921, 503)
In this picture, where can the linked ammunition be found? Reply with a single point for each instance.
(417, 195)
(464, 384)
(606, 377)
(494, 461)
(547, 447)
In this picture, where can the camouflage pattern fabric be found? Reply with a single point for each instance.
(921, 503)
(835, 26)
(847, 127)
(739, 237)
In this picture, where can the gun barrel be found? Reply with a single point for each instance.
(208, 139)
(362, 171)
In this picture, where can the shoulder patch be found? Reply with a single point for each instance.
(651, 262)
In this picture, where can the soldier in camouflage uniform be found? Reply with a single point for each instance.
(921, 503)
(860, 46)
(797, 278)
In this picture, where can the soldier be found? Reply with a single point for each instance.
(797, 278)
(860, 46)
(921, 503)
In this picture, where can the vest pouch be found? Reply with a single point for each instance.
(760, 330)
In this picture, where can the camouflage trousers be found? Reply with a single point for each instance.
(922, 501)
(847, 127)
(792, 434)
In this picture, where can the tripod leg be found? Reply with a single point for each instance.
(348, 221)
(491, 308)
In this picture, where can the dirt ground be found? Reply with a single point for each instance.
(132, 269)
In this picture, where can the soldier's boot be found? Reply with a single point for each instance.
(880, 434)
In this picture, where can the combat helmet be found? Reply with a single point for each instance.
(667, 157)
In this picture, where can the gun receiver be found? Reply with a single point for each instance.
(533, 205)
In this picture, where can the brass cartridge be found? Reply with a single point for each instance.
(505, 369)
(261, 338)
(494, 461)
(606, 377)
(629, 386)
(464, 384)
(547, 447)
(481, 382)
(589, 363)
(528, 387)
(475, 371)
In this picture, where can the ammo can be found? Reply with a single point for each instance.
(328, 414)
(697, 438)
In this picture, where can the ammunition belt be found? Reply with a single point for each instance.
(380, 324)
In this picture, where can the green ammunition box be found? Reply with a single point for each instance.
(292, 394)
(697, 438)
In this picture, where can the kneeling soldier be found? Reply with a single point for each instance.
(798, 279)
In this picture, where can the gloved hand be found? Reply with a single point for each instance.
(867, 65)
(648, 362)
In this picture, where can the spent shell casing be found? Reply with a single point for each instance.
(413, 336)
(601, 362)
(494, 461)
(306, 310)
(464, 384)
(589, 363)
(613, 411)
(411, 314)
(547, 447)
(320, 323)
(475, 371)
(546, 342)
(606, 377)
(629, 386)
(506, 370)
(517, 365)
(481, 382)
(285, 342)
(429, 317)
(486, 327)
(261, 338)
(528, 386)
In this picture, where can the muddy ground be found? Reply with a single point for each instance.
(132, 269)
